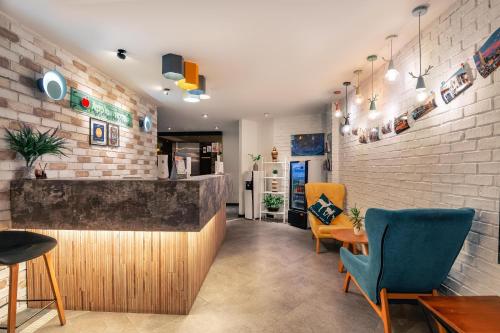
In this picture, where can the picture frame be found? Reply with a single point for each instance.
(459, 82)
(401, 123)
(425, 108)
(113, 135)
(98, 132)
(308, 144)
(487, 58)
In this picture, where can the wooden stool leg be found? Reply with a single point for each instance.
(12, 307)
(55, 287)
(384, 304)
(347, 280)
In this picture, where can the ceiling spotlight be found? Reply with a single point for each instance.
(266, 115)
(170, 128)
(216, 128)
(121, 54)
(205, 115)
(166, 91)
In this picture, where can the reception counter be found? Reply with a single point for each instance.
(124, 245)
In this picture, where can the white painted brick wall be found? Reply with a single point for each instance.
(449, 158)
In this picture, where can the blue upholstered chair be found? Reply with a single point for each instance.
(411, 252)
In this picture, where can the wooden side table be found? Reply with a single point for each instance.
(464, 314)
(349, 241)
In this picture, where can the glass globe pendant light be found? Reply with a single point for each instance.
(358, 98)
(392, 73)
(346, 128)
(372, 113)
(421, 90)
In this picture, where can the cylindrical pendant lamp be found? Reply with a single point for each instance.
(201, 86)
(190, 80)
(172, 66)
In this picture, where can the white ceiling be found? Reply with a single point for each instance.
(275, 56)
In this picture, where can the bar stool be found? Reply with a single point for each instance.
(20, 246)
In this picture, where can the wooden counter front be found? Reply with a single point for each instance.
(129, 271)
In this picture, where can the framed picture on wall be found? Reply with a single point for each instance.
(308, 144)
(98, 132)
(113, 135)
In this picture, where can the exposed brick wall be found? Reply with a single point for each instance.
(24, 57)
(451, 156)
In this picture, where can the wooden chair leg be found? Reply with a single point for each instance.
(341, 264)
(317, 245)
(440, 328)
(347, 280)
(55, 287)
(384, 307)
(12, 307)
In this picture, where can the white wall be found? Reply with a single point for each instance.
(230, 145)
(448, 158)
(248, 144)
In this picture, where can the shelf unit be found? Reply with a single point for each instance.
(266, 187)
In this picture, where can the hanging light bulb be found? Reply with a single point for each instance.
(338, 112)
(421, 90)
(392, 73)
(346, 128)
(373, 112)
(358, 98)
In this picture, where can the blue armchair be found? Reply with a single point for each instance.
(411, 252)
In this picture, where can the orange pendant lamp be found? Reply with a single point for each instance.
(190, 80)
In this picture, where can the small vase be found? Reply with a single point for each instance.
(255, 166)
(358, 231)
(28, 172)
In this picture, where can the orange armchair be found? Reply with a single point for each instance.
(336, 194)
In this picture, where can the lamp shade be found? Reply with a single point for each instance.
(172, 66)
(201, 86)
(190, 80)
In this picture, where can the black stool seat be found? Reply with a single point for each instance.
(21, 246)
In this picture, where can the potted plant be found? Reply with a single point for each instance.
(275, 173)
(255, 159)
(31, 145)
(273, 202)
(356, 219)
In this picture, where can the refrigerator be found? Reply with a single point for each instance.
(301, 173)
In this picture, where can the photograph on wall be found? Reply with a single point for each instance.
(209, 149)
(113, 135)
(374, 134)
(459, 82)
(425, 108)
(387, 127)
(363, 135)
(308, 144)
(401, 123)
(98, 131)
(487, 58)
(355, 131)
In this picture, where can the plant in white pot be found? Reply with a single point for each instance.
(356, 219)
(255, 159)
(32, 144)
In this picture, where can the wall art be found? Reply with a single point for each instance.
(113, 135)
(308, 144)
(487, 58)
(387, 127)
(363, 135)
(401, 123)
(459, 82)
(98, 132)
(355, 131)
(422, 110)
(374, 134)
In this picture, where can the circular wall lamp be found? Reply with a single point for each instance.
(146, 123)
(53, 84)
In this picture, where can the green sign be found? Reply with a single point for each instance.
(98, 109)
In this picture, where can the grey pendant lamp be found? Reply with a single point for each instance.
(172, 66)
(346, 128)
(372, 113)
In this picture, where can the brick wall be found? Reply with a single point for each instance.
(451, 156)
(24, 57)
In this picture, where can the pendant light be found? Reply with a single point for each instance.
(172, 66)
(392, 73)
(358, 98)
(201, 86)
(338, 112)
(372, 113)
(191, 79)
(347, 127)
(420, 88)
(190, 98)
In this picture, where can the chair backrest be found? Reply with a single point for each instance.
(334, 192)
(412, 250)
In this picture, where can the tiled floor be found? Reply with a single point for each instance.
(266, 278)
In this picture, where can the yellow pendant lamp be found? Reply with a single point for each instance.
(190, 80)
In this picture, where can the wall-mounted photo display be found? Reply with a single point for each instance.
(355, 131)
(459, 82)
(308, 144)
(387, 127)
(98, 132)
(363, 135)
(487, 58)
(374, 134)
(113, 135)
(401, 123)
(422, 110)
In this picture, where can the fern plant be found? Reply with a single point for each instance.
(31, 144)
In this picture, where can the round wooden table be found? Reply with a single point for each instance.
(349, 241)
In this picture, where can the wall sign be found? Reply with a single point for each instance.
(98, 109)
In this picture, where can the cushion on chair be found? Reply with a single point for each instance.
(21, 246)
(324, 209)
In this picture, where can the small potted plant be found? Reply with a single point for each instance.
(273, 202)
(255, 159)
(356, 219)
(275, 173)
(33, 144)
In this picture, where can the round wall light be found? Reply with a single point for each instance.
(146, 123)
(53, 84)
